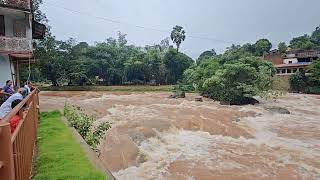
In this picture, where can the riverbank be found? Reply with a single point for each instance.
(166, 88)
(59, 156)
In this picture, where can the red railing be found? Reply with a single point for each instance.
(19, 4)
(17, 149)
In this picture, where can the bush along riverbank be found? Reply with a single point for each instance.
(83, 123)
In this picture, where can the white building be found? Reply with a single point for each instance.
(17, 29)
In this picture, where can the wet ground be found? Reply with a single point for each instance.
(153, 137)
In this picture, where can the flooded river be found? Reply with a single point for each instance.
(153, 137)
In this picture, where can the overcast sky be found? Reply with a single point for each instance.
(220, 22)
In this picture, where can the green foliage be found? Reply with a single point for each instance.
(206, 55)
(315, 37)
(280, 83)
(84, 125)
(233, 77)
(197, 75)
(302, 42)
(176, 63)
(315, 73)
(232, 84)
(262, 46)
(298, 82)
(282, 47)
(59, 155)
(178, 35)
(112, 61)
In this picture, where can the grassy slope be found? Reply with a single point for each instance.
(109, 88)
(60, 157)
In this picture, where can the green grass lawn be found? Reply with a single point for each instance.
(59, 156)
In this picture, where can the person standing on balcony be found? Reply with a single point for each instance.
(5, 108)
(8, 88)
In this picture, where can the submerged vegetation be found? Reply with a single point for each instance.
(84, 125)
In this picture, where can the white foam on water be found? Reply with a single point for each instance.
(180, 145)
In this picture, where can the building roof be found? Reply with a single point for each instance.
(293, 65)
(21, 55)
(300, 53)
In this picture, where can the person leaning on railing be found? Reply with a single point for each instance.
(14, 121)
(5, 108)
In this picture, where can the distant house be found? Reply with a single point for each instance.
(292, 61)
(17, 29)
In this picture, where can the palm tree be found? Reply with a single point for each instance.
(178, 35)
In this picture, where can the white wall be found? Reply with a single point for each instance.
(5, 73)
(294, 61)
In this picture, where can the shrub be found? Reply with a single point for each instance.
(233, 84)
(298, 82)
(281, 83)
(313, 90)
(84, 125)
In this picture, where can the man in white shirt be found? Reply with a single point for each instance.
(28, 86)
(5, 108)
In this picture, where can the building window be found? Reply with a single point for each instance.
(19, 29)
(2, 26)
(278, 71)
(283, 71)
(289, 71)
(290, 62)
(294, 70)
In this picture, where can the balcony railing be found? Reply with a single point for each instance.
(17, 149)
(15, 44)
(18, 4)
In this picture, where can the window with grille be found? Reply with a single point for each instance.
(19, 28)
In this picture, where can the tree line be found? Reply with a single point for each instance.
(239, 74)
(113, 62)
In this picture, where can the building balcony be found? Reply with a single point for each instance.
(16, 4)
(15, 45)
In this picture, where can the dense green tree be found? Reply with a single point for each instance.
(232, 84)
(315, 37)
(176, 63)
(178, 35)
(315, 73)
(282, 47)
(298, 82)
(206, 54)
(197, 74)
(262, 46)
(302, 42)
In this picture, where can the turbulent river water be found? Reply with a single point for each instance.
(154, 137)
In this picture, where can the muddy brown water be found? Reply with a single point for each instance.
(153, 137)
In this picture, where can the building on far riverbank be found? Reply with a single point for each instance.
(292, 61)
(17, 29)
